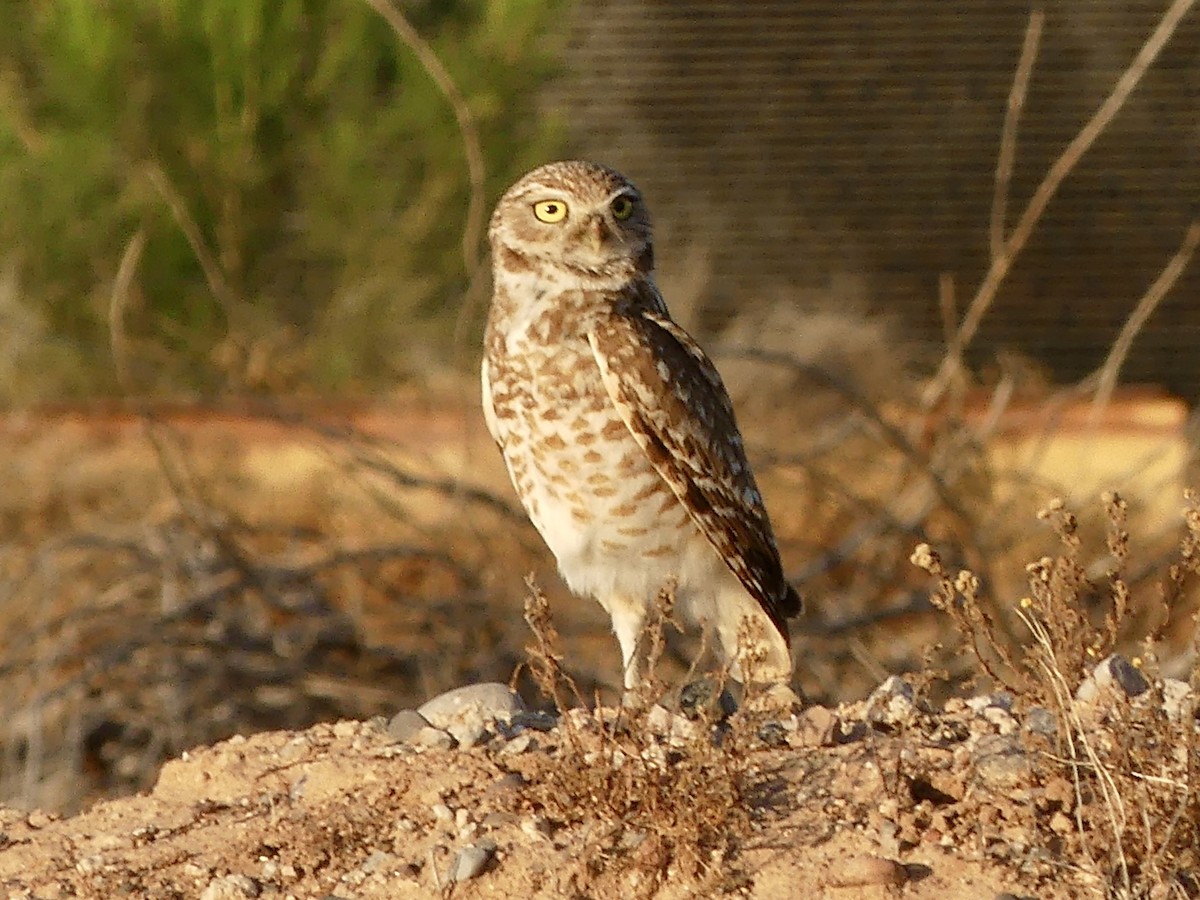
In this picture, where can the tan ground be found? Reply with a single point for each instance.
(342, 811)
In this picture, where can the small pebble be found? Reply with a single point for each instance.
(1000, 762)
(1127, 675)
(1176, 701)
(1061, 824)
(861, 871)
(431, 737)
(536, 719)
(471, 861)
(1039, 720)
(537, 826)
(816, 727)
(1004, 723)
(231, 887)
(293, 749)
(520, 744)
(380, 861)
(1114, 672)
(849, 732)
(39, 818)
(468, 732)
(404, 725)
(490, 700)
(892, 703)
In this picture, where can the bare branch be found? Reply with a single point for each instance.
(1055, 175)
(1008, 134)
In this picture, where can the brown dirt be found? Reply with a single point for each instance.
(343, 811)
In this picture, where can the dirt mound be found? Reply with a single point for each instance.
(852, 801)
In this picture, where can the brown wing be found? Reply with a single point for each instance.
(670, 396)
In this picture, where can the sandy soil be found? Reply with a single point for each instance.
(841, 808)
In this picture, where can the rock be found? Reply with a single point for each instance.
(862, 871)
(404, 725)
(231, 887)
(1127, 675)
(705, 696)
(1000, 700)
(537, 827)
(816, 727)
(1061, 823)
(466, 712)
(1039, 720)
(1000, 718)
(469, 732)
(675, 728)
(381, 861)
(505, 784)
(892, 704)
(536, 719)
(519, 744)
(470, 861)
(849, 732)
(1176, 702)
(948, 732)
(1000, 763)
(888, 837)
(773, 734)
(1115, 672)
(294, 749)
(433, 738)
(39, 818)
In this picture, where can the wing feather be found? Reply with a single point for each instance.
(671, 398)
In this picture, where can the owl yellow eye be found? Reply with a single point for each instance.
(622, 208)
(550, 211)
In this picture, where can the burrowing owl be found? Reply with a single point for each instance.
(618, 433)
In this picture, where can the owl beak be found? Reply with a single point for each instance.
(598, 231)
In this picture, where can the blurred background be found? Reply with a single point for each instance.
(243, 282)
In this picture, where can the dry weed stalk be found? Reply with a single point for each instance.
(958, 596)
(654, 804)
(1132, 760)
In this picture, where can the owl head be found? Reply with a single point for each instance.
(581, 215)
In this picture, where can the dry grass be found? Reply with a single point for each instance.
(1132, 761)
(661, 797)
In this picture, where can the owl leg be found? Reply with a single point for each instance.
(628, 619)
(751, 642)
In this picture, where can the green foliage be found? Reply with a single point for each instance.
(300, 180)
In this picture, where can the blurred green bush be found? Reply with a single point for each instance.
(299, 179)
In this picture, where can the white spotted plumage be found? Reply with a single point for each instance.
(617, 432)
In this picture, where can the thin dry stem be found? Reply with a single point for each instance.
(1106, 376)
(119, 300)
(472, 147)
(218, 285)
(1008, 133)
